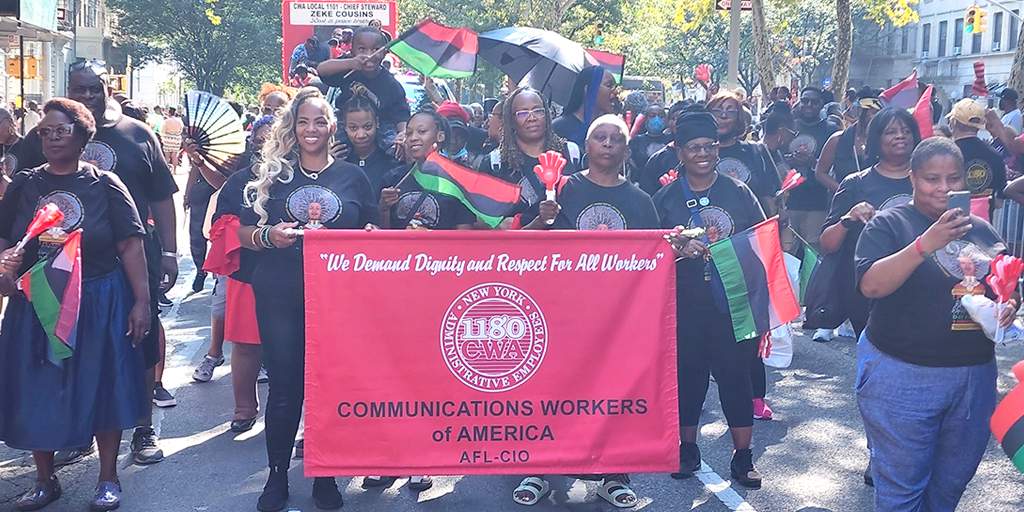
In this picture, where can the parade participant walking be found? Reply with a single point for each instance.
(593, 95)
(737, 158)
(100, 388)
(808, 202)
(656, 135)
(926, 373)
(1009, 103)
(526, 134)
(844, 152)
(311, 191)
(359, 118)
(985, 168)
(597, 198)
(130, 150)
(403, 202)
(890, 141)
(722, 206)
(663, 160)
(171, 137)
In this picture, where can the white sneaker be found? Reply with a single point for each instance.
(204, 372)
(846, 330)
(822, 335)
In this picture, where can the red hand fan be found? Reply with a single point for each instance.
(1006, 271)
(668, 177)
(549, 170)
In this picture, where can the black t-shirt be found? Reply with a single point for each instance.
(731, 207)
(986, 170)
(93, 200)
(587, 205)
(923, 322)
(871, 187)
(533, 191)
(570, 128)
(129, 149)
(644, 146)
(229, 202)
(375, 166)
(345, 199)
(745, 161)
(848, 160)
(433, 210)
(660, 163)
(810, 195)
(384, 90)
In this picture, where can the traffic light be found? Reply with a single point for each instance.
(599, 35)
(13, 65)
(981, 22)
(971, 20)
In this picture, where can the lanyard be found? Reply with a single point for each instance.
(710, 271)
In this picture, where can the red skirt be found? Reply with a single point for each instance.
(240, 314)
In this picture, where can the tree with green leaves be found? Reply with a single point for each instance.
(896, 12)
(217, 44)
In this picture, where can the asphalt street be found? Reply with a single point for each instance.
(811, 455)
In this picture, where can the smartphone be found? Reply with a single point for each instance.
(960, 199)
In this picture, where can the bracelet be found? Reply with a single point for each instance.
(265, 239)
(920, 250)
(252, 237)
(169, 254)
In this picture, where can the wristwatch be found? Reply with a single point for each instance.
(849, 222)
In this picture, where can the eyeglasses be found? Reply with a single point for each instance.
(724, 112)
(523, 115)
(710, 147)
(57, 132)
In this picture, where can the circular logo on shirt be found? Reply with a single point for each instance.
(311, 201)
(100, 154)
(718, 224)
(979, 176)
(10, 164)
(428, 212)
(600, 216)
(803, 143)
(734, 168)
(493, 337)
(69, 205)
(896, 200)
(960, 256)
(528, 194)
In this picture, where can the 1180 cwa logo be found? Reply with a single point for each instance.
(493, 337)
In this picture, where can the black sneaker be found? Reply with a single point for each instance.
(275, 493)
(742, 469)
(326, 495)
(162, 397)
(67, 457)
(164, 301)
(144, 447)
(689, 461)
(199, 282)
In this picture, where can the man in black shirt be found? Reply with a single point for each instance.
(807, 203)
(129, 148)
(363, 73)
(986, 170)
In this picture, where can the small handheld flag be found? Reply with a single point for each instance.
(793, 180)
(54, 287)
(490, 198)
(46, 217)
(902, 95)
(923, 113)
(438, 51)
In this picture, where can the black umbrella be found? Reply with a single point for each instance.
(545, 60)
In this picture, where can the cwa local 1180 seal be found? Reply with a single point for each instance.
(493, 337)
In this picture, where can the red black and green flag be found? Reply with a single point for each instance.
(757, 286)
(54, 287)
(1008, 421)
(611, 62)
(490, 198)
(438, 51)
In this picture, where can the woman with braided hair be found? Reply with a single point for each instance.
(526, 133)
(361, 122)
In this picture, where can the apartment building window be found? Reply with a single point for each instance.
(976, 43)
(943, 35)
(904, 40)
(958, 34)
(997, 31)
(89, 13)
(1014, 27)
(926, 37)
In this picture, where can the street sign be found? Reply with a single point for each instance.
(725, 5)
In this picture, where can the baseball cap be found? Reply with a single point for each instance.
(457, 124)
(1009, 94)
(452, 110)
(969, 112)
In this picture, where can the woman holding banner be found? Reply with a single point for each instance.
(403, 202)
(598, 198)
(526, 133)
(722, 206)
(298, 184)
(926, 373)
(60, 389)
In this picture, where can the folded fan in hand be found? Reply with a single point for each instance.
(215, 128)
(549, 170)
(46, 217)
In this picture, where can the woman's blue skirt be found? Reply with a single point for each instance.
(102, 387)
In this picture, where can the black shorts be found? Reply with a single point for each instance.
(151, 343)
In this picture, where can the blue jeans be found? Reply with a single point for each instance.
(927, 428)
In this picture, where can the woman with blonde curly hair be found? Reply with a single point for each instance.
(298, 184)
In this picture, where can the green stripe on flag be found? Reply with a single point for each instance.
(444, 186)
(47, 308)
(724, 256)
(424, 63)
(807, 264)
(1018, 459)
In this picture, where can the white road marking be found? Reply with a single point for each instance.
(721, 489)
